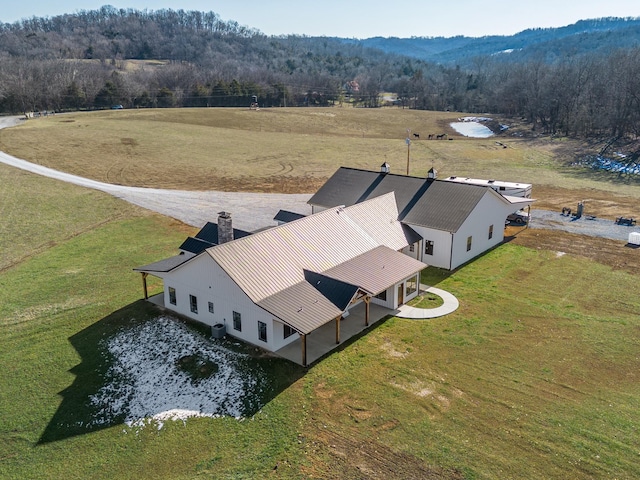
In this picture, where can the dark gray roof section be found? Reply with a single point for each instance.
(302, 307)
(195, 245)
(376, 270)
(165, 265)
(429, 203)
(411, 235)
(337, 292)
(209, 233)
(286, 216)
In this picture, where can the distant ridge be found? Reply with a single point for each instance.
(585, 36)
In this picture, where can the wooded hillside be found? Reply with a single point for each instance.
(165, 58)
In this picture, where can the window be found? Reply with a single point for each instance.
(262, 331)
(412, 285)
(210, 307)
(502, 189)
(237, 321)
(288, 331)
(193, 302)
(382, 296)
(490, 232)
(412, 247)
(469, 239)
(428, 247)
(172, 295)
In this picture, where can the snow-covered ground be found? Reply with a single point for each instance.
(471, 127)
(146, 385)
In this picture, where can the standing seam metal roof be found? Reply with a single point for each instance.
(271, 261)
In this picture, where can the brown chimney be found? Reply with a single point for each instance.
(225, 229)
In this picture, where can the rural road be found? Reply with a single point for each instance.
(250, 211)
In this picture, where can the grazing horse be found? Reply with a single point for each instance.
(431, 136)
(441, 136)
(416, 135)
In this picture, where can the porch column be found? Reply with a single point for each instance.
(144, 285)
(304, 350)
(338, 328)
(367, 299)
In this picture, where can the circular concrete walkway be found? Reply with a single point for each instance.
(450, 304)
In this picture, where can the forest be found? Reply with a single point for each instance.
(152, 59)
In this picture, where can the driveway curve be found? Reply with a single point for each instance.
(250, 211)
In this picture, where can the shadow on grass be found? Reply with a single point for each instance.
(77, 414)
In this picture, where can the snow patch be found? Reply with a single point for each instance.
(145, 385)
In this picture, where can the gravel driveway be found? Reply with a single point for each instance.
(250, 211)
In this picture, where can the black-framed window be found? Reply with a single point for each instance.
(172, 295)
(288, 331)
(262, 331)
(237, 321)
(490, 232)
(210, 307)
(412, 247)
(193, 303)
(469, 240)
(428, 247)
(382, 296)
(411, 285)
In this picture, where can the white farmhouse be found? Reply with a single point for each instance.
(284, 288)
(454, 221)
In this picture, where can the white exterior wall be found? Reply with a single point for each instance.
(491, 210)
(203, 278)
(416, 250)
(441, 246)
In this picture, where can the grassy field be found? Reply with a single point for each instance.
(535, 376)
(288, 150)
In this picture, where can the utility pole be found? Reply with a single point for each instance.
(408, 142)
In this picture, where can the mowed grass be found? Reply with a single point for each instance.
(535, 376)
(287, 150)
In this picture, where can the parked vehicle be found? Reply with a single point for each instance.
(517, 218)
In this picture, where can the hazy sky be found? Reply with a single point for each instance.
(362, 19)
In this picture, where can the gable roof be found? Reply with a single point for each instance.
(207, 237)
(429, 203)
(306, 272)
(286, 216)
(272, 260)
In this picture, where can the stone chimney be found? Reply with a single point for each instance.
(225, 229)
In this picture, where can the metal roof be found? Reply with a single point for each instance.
(209, 233)
(301, 306)
(286, 216)
(194, 245)
(434, 204)
(376, 270)
(165, 265)
(271, 261)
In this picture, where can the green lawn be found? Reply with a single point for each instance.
(534, 376)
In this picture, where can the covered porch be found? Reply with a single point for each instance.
(323, 339)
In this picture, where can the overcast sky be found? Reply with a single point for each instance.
(362, 19)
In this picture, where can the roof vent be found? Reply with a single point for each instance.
(490, 181)
(385, 168)
(432, 174)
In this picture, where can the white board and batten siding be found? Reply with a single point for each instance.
(207, 282)
(490, 211)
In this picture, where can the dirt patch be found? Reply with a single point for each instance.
(614, 253)
(596, 202)
(344, 456)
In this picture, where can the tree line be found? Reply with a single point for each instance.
(83, 61)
